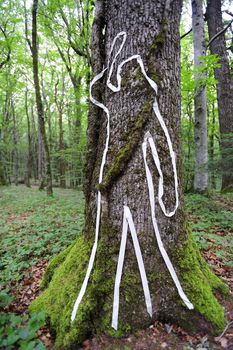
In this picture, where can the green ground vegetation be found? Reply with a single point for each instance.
(211, 219)
(34, 227)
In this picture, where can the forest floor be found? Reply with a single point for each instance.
(33, 228)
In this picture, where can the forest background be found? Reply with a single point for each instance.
(64, 30)
(64, 72)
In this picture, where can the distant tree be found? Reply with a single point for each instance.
(68, 26)
(60, 107)
(224, 89)
(5, 43)
(39, 104)
(200, 103)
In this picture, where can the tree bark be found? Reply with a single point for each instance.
(62, 164)
(224, 91)
(3, 178)
(200, 105)
(29, 165)
(15, 143)
(212, 118)
(153, 32)
(39, 103)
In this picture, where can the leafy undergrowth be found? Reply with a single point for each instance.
(34, 228)
(212, 224)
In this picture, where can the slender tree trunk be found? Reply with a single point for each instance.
(190, 173)
(39, 103)
(70, 163)
(3, 177)
(224, 91)
(47, 112)
(62, 165)
(77, 129)
(15, 151)
(6, 156)
(200, 105)
(35, 146)
(41, 162)
(212, 145)
(3, 180)
(28, 172)
(153, 32)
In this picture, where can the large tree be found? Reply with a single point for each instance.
(224, 89)
(39, 103)
(201, 139)
(161, 262)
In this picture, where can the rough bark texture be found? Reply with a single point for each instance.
(201, 143)
(62, 164)
(28, 172)
(15, 143)
(152, 30)
(224, 90)
(39, 103)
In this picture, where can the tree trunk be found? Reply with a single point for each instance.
(39, 103)
(152, 32)
(76, 135)
(212, 118)
(28, 172)
(224, 91)
(3, 178)
(62, 164)
(15, 151)
(41, 161)
(200, 105)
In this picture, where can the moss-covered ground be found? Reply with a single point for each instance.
(35, 228)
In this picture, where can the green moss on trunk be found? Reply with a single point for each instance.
(53, 265)
(125, 153)
(199, 282)
(58, 300)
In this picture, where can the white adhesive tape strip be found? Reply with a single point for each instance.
(128, 221)
(148, 139)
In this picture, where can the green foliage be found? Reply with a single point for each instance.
(5, 298)
(212, 223)
(34, 227)
(205, 73)
(63, 27)
(19, 331)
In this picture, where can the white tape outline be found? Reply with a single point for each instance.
(128, 222)
(127, 215)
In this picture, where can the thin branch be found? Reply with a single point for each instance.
(229, 13)
(219, 33)
(225, 329)
(184, 35)
(26, 27)
(4, 62)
